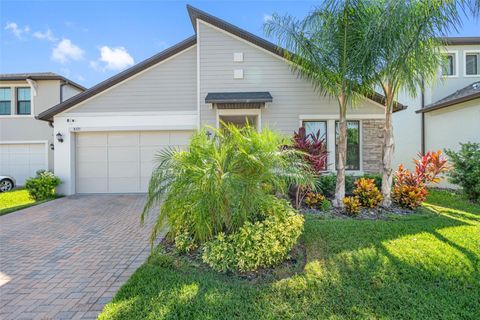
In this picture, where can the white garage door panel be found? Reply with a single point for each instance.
(118, 162)
(22, 160)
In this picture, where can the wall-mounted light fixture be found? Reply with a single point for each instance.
(59, 137)
(52, 147)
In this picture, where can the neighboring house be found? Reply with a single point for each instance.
(448, 113)
(26, 144)
(111, 132)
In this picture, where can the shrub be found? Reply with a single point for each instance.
(326, 183)
(466, 169)
(352, 205)
(410, 188)
(314, 199)
(184, 242)
(315, 148)
(222, 180)
(367, 193)
(409, 196)
(255, 245)
(325, 205)
(42, 186)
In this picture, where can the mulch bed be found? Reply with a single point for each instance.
(379, 213)
(291, 266)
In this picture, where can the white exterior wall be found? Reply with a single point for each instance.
(160, 98)
(448, 127)
(407, 124)
(69, 91)
(168, 86)
(445, 86)
(25, 128)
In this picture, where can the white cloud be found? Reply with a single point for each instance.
(114, 58)
(267, 17)
(66, 51)
(80, 78)
(47, 35)
(16, 30)
(94, 65)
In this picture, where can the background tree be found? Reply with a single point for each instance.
(326, 48)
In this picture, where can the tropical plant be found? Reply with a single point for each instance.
(466, 169)
(42, 186)
(256, 245)
(315, 148)
(223, 181)
(410, 188)
(327, 50)
(367, 193)
(405, 55)
(352, 205)
(314, 199)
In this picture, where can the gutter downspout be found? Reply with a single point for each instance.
(61, 91)
(423, 119)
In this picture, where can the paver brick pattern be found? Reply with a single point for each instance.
(66, 259)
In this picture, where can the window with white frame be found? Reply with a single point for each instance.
(316, 127)
(23, 101)
(472, 63)
(353, 144)
(449, 65)
(5, 101)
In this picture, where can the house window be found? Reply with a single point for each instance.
(314, 127)
(353, 145)
(5, 101)
(449, 68)
(472, 63)
(23, 101)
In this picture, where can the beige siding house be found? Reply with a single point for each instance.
(111, 132)
(26, 144)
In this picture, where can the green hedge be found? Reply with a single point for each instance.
(256, 245)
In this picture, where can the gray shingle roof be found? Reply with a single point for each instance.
(238, 97)
(470, 92)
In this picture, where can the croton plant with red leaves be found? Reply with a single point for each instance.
(410, 188)
(314, 146)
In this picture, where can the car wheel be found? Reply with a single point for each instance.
(6, 185)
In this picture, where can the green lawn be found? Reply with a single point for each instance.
(14, 200)
(423, 266)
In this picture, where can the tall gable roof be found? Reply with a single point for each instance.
(47, 115)
(195, 14)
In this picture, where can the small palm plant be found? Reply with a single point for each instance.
(222, 181)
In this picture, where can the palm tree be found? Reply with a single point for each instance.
(405, 52)
(326, 49)
(222, 181)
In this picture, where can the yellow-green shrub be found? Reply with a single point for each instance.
(184, 242)
(367, 193)
(255, 245)
(352, 205)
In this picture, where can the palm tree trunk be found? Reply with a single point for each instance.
(342, 151)
(388, 148)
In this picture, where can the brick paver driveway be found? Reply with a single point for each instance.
(65, 259)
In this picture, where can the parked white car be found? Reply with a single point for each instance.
(6, 183)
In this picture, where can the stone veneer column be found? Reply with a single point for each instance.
(372, 139)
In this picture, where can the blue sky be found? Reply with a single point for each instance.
(89, 41)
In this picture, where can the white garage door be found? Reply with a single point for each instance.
(120, 162)
(22, 160)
